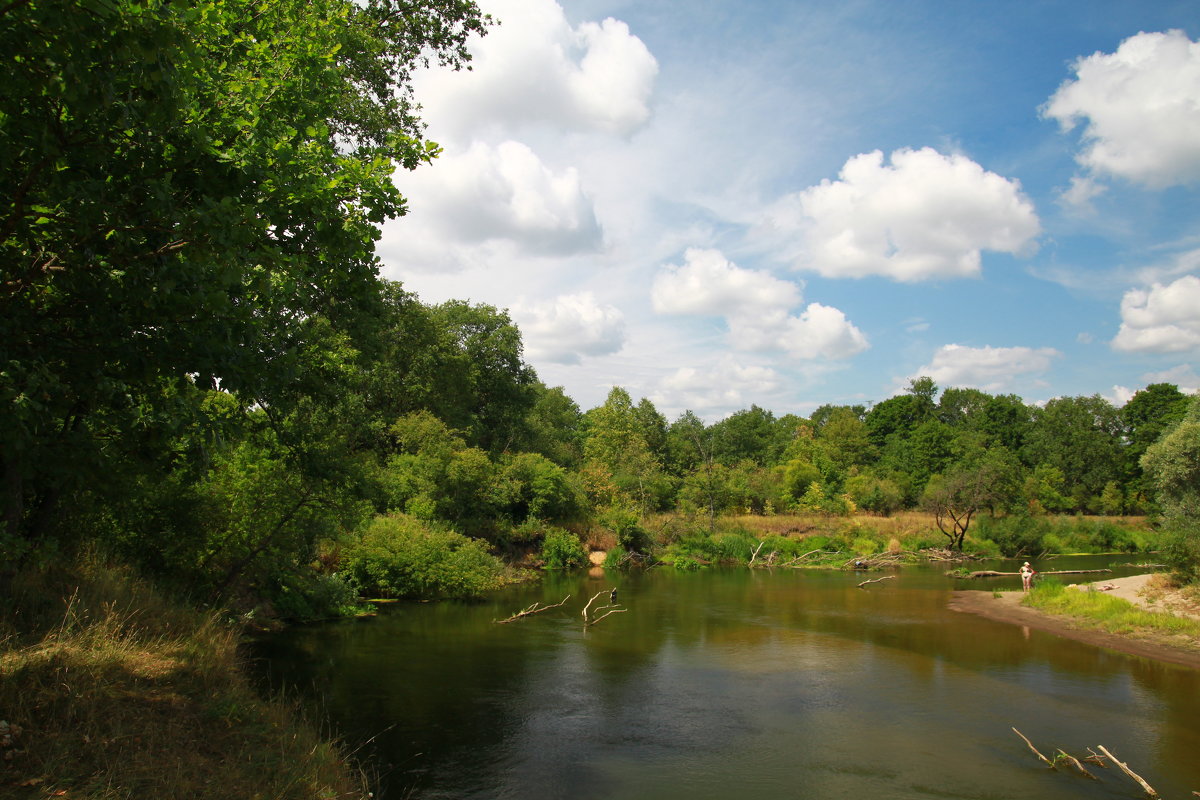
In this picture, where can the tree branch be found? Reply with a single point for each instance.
(529, 611)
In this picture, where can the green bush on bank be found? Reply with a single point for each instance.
(562, 549)
(1022, 535)
(401, 556)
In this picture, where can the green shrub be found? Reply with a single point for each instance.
(562, 550)
(615, 557)
(626, 524)
(311, 597)
(401, 556)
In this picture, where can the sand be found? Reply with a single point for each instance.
(1007, 608)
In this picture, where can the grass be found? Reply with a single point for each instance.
(1108, 613)
(112, 692)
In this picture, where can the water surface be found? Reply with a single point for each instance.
(726, 683)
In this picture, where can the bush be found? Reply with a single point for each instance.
(615, 558)
(400, 556)
(625, 523)
(562, 550)
(314, 597)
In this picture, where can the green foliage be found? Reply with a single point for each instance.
(876, 495)
(1172, 464)
(310, 597)
(616, 557)
(626, 524)
(400, 556)
(562, 550)
(189, 189)
(1019, 534)
(817, 500)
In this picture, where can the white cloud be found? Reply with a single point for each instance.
(535, 68)
(1161, 319)
(490, 194)
(1119, 395)
(988, 368)
(1079, 195)
(756, 307)
(708, 283)
(1140, 103)
(723, 385)
(569, 327)
(924, 216)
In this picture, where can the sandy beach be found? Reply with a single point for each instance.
(1007, 608)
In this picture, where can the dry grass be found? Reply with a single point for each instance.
(115, 693)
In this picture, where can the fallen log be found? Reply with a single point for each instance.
(988, 573)
(529, 611)
(876, 580)
(1125, 768)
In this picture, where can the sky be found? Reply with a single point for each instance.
(723, 203)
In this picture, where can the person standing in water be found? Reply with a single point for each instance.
(1027, 574)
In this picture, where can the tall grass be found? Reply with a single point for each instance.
(117, 693)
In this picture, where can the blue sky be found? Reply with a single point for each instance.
(716, 204)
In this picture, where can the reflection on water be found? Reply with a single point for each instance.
(736, 683)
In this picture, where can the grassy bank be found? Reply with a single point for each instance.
(1094, 609)
(111, 692)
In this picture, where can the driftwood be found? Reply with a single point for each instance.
(1125, 768)
(876, 580)
(1049, 763)
(988, 573)
(1096, 758)
(1074, 762)
(529, 611)
(754, 555)
(611, 609)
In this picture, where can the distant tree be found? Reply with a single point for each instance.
(962, 407)
(847, 439)
(748, 434)
(1173, 465)
(958, 496)
(1082, 437)
(1147, 415)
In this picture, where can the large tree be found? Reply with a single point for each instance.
(184, 189)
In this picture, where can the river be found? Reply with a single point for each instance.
(736, 683)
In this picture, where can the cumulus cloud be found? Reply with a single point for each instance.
(923, 216)
(725, 384)
(501, 193)
(756, 306)
(987, 368)
(1141, 109)
(535, 67)
(1161, 319)
(564, 330)
(708, 283)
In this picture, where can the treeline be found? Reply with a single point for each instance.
(401, 457)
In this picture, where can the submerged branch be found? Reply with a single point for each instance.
(1049, 763)
(529, 611)
(1125, 768)
(877, 580)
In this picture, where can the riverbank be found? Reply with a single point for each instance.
(108, 690)
(1170, 648)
